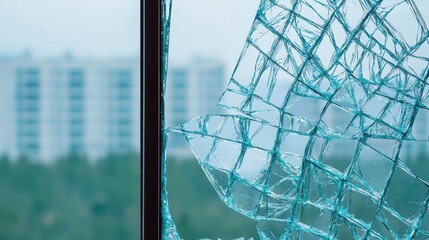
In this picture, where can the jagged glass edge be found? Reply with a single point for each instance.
(169, 230)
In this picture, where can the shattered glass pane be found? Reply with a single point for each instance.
(330, 136)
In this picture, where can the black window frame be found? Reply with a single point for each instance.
(151, 219)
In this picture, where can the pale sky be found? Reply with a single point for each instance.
(100, 28)
(210, 28)
(103, 28)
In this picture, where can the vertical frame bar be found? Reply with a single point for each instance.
(151, 131)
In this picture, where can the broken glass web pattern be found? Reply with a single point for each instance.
(330, 132)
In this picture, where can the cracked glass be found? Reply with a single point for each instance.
(324, 132)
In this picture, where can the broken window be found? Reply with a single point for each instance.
(326, 132)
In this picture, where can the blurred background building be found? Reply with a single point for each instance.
(52, 107)
(193, 89)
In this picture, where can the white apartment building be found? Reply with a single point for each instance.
(193, 89)
(53, 107)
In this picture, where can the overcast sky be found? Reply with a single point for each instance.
(210, 28)
(85, 27)
(112, 27)
(103, 28)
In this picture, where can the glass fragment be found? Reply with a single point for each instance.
(330, 138)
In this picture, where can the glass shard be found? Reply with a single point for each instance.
(330, 137)
(168, 227)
